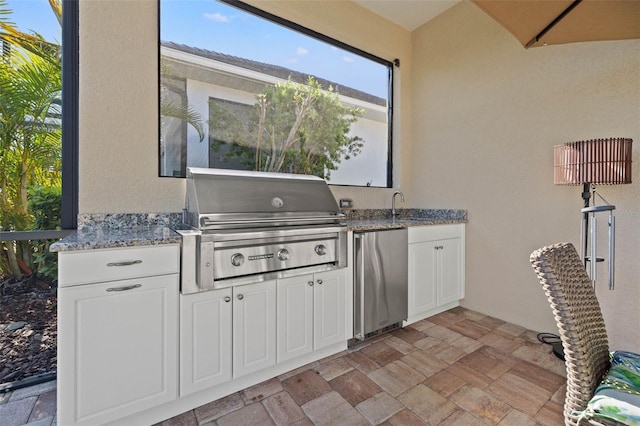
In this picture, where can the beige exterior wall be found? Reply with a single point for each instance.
(483, 113)
(119, 98)
(486, 116)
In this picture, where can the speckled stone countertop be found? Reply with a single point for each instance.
(105, 237)
(371, 220)
(100, 231)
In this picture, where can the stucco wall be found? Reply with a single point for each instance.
(486, 115)
(119, 99)
(482, 112)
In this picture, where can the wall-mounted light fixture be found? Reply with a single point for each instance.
(590, 163)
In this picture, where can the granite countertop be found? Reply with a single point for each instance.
(388, 223)
(371, 220)
(130, 230)
(100, 237)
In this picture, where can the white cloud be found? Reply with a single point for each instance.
(302, 51)
(347, 59)
(217, 17)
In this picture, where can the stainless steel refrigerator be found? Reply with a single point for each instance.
(381, 277)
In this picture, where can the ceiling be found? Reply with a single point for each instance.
(533, 22)
(409, 14)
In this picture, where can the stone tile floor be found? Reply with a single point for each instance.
(33, 405)
(456, 368)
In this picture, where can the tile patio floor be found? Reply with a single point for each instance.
(34, 405)
(456, 368)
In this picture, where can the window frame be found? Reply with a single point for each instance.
(311, 33)
(70, 114)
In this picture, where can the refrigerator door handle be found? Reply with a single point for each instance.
(359, 313)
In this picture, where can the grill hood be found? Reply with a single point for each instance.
(220, 199)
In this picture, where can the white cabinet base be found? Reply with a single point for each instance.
(436, 270)
(117, 348)
(426, 314)
(205, 396)
(205, 340)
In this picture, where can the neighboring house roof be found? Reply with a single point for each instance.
(275, 71)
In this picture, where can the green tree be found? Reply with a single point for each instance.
(294, 128)
(30, 133)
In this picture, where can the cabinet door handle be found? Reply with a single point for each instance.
(127, 263)
(124, 288)
(227, 299)
(240, 297)
(310, 283)
(319, 282)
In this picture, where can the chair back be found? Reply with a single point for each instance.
(580, 323)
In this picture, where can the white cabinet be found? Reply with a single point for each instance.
(311, 313)
(117, 340)
(329, 308)
(226, 334)
(254, 327)
(436, 269)
(295, 317)
(205, 340)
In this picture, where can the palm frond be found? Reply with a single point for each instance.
(177, 110)
(56, 6)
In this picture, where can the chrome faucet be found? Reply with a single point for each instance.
(393, 202)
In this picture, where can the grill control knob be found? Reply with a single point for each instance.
(321, 250)
(237, 259)
(283, 254)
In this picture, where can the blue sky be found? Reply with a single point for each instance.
(211, 25)
(35, 15)
(215, 26)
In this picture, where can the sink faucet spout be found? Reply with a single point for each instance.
(393, 202)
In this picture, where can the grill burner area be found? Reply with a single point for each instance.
(247, 227)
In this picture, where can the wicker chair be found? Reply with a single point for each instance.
(580, 323)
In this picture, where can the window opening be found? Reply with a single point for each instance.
(244, 89)
(36, 174)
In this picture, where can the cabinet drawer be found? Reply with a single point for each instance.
(419, 234)
(94, 266)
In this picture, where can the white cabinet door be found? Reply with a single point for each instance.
(329, 308)
(295, 317)
(117, 348)
(311, 313)
(205, 340)
(436, 269)
(254, 327)
(423, 277)
(450, 283)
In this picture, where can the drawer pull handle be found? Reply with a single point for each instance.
(124, 288)
(127, 263)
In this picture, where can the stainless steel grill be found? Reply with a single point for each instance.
(245, 227)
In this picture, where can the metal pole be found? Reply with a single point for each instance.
(584, 243)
